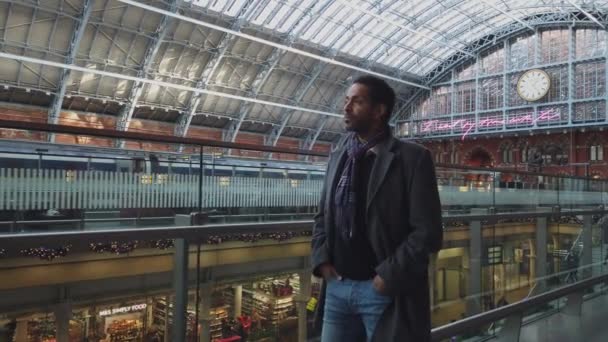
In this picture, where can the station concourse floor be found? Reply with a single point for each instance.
(561, 327)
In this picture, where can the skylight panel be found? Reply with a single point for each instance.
(281, 14)
(418, 7)
(217, 5)
(337, 31)
(294, 14)
(390, 56)
(200, 3)
(263, 16)
(312, 31)
(235, 7)
(367, 45)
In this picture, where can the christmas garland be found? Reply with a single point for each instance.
(119, 248)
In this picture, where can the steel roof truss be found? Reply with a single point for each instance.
(126, 113)
(78, 33)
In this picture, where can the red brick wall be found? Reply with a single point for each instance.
(26, 114)
(575, 144)
(151, 127)
(247, 138)
(79, 119)
(85, 120)
(202, 133)
(287, 143)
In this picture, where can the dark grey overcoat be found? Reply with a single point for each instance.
(404, 228)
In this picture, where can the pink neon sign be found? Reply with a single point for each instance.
(468, 125)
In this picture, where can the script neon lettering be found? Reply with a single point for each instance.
(466, 126)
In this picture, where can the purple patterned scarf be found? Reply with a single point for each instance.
(345, 197)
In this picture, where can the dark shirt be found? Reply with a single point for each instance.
(354, 258)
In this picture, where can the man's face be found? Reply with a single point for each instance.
(360, 114)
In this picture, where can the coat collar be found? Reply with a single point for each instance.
(384, 158)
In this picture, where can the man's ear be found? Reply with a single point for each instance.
(381, 111)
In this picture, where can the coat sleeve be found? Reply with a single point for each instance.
(320, 249)
(410, 259)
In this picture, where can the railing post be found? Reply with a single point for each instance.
(205, 312)
(238, 301)
(574, 304)
(301, 302)
(180, 288)
(63, 314)
(540, 264)
(512, 328)
(474, 284)
(586, 253)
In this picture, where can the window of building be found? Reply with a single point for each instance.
(554, 45)
(524, 154)
(522, 52)
(438, 157)
(507, 154)
(465, 97)
(494, 255)
(596, 152)
(454, 156)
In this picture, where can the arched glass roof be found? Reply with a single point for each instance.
(409, 36)
(277, 68)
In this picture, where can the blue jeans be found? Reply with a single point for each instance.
(352, 310)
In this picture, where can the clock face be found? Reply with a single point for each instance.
(533, 85)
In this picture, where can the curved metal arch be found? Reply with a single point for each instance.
(126, 114)
(508, 31)
(305, 20)
(57, 102)
(318, 68)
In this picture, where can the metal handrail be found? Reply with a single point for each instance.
(150, 233)
(475, 322)
(515, 172)
(190, 233)
(106, 133)
(147, 218)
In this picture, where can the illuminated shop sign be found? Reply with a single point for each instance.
(466, 126)
(124, 309)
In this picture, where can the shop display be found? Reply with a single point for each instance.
(44, 330)
(125, 330)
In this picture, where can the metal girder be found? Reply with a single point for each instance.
(401, 111)
(587, 14)
(55, 108)
(271, 43)
(183, 124)
(303, 22)
(285, 115)
(506, 13)
(312, 136)
(508, 31)
(380, 17)
(276, 132)
(126, 113)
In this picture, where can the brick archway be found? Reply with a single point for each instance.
(479, 157)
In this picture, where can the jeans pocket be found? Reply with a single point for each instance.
(378, 293)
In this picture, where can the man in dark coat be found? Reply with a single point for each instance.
(379, 220)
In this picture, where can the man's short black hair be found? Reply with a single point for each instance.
(379, 92)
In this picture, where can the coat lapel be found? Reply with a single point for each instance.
(336, 158)
(384, 158)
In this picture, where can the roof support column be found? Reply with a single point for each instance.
(126, 113)
(57, 102)
(249, 9)
(300, 25)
